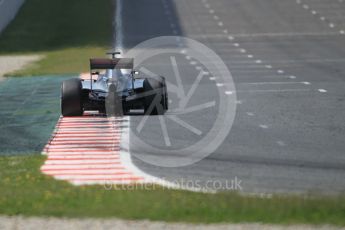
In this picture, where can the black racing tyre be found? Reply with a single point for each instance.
(71, 98)
(155, 101)
(165, 94)
(164, 101)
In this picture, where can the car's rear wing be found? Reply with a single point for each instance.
(115, 63)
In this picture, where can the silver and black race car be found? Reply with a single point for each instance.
(114, 88)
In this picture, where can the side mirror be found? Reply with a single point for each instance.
(134, 72)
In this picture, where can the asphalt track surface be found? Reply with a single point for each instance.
(287, 60)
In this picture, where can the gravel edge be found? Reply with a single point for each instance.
(51, 223)
(11, 63)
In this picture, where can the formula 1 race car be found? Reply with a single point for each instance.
(115, 91)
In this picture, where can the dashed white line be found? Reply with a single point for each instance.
(305, 6)
(263, 126)
(258, 61)
(322, 18)
(281, 143)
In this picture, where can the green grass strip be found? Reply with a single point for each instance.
(24, 190)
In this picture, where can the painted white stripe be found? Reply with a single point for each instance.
(87, 172)
(82, 149)
(94, 120)
(67, 153)
(86, 132)
(83, 129)
(101, 123)
(77, 162)
(82, 135)
(85, 139)
(121, 179)
(84, 126)
(86, 157)
(83, 119)
(78, 153)
(58, 141)
(102, 177)
(62, 141)
(86, 144)
(80, 167)
(107, 182)
(83, 146)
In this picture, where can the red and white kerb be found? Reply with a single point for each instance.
(86, 150)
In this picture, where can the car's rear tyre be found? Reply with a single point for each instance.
(165, 94)
(155, 102)
(71, 98)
